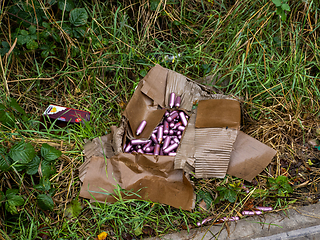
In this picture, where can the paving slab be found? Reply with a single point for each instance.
(294, 224)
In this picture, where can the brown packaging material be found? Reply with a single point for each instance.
(185, 153)
(155, 84)
(213, 147)
(218, 113)
(100, 146)
(151, 177)
(189, 91)
(139, 108)
(249, 157)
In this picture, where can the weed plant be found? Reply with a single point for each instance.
(90, 55)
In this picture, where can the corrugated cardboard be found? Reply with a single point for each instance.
(249, 157)
(185, 153)
(218, 113)
(151, 177)
(155, 84)
(213, 147)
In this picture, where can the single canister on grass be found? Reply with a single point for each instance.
(265, 208)
(172, 99)
(141, 127)
(251, 212)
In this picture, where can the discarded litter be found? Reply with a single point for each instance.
(63, 115)
(171, 126)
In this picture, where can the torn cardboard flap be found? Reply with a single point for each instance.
(189, 91)
(218, 113)
(213, 148)
(249, 157)
(155, 84)
(151, 177)
(139, 108)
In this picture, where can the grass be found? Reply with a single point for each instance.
(271, 65)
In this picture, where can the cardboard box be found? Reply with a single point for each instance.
(212, 144)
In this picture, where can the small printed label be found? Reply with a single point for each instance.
(53, 109)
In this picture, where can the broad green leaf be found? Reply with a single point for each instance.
(33, 166)
(47, 169)
(3, 51)
(12, 191)
(283, 15)
(5, 44)
(73, 209)
(32, 29)
(78, 16)
(49, 153)
(45, 202)
(206, 197)
(285, 7)
(4, 161)
(32, 44)
(22, 152)
(44, 53)
(15, 200)
(44, 184)
(65, 5)
(21, 39)
(277, 2)
(24, 32)
(11, 208)
(231, 195)
(13, 103)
